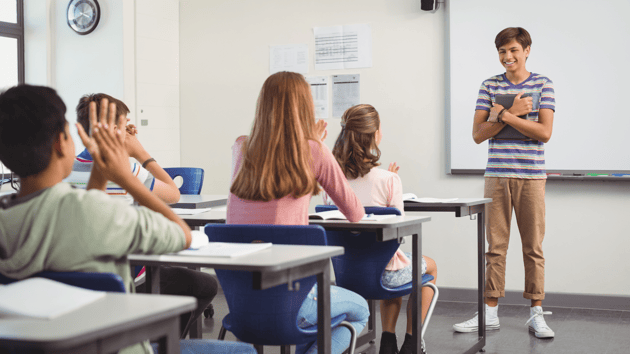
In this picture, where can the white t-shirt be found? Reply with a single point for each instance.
(378, 187)
(82, 168)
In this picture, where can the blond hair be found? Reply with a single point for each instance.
(276, 156)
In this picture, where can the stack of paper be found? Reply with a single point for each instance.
(410, 197)
(43, 298)
(337, 215)
(225, 249)
(183, 211)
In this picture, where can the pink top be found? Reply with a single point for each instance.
(380, 188)
(289, 210)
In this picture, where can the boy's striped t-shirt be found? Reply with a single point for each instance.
(517, 158)
(82, 168)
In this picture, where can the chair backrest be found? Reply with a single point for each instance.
(265, 317)
(361, 266)
(193, 178)
(94, 281)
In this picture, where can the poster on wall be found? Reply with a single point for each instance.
(345, 93)
(343, 47)
(319, 89)
(291, 57)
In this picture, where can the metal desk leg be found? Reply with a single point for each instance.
(324, 340)
(416, 295)
(169, 343)
(152, 282)
(481, 275)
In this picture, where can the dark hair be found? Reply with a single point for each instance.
(83, 108)
(355, 149)
(513, 33)
(31, 118)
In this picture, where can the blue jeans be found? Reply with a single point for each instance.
(342, 301)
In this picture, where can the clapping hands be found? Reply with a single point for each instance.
(106, 142)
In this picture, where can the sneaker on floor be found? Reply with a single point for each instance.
(472, 325)
(537, 323)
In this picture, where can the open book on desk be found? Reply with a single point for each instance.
(410, 197)
(43, 298)
(337, 215)
(225, 249)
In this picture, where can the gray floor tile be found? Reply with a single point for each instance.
(577, 330)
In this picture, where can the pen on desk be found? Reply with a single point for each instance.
(620, 174)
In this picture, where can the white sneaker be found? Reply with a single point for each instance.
(472, 325)
(537, 323)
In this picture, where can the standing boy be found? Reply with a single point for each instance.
(515, 175)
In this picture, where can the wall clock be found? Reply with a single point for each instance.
(83, 15)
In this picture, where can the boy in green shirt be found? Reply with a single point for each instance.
(48, 225)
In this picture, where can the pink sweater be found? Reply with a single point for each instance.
(289, 210)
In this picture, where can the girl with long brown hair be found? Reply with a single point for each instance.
(276, 170)
(357, 152)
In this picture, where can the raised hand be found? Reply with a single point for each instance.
(320, 130)
(131, 129)
(393, 168)
(521, 106)
(106, 142)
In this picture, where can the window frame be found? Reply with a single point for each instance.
(16, 30)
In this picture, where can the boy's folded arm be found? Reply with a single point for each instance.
(482, 128)
(540, 130)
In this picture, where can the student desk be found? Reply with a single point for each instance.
(463, 207)
(104, 326)
(194, 201)
(388, 229)
(279, 264)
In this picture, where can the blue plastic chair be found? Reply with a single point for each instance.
(93, 281)
(193, 178)
(366, 256)
(268, 317)
(114, 283)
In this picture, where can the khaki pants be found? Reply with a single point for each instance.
(527, 197)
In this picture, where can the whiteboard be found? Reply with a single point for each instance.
(582, 46)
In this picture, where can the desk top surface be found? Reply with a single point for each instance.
(394, 222)
(115, 313)
(274, 258)
(460, 202)
(194, 201)
(219, 216)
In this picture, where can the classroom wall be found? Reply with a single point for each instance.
(132, 55)
(224, 51)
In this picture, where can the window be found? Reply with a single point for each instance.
(11, 43)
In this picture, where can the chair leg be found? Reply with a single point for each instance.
(285, 349)
(436, 293)
(222, 333)
(259, 349)
(353, 336)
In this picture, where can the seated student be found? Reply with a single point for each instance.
(357, 152)
(173, 280)
(276, 170)
(149, 173)
(50, 226)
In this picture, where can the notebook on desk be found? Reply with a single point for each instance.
(225, 249)
(508, 132)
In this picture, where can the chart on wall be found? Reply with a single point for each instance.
(580, 45)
